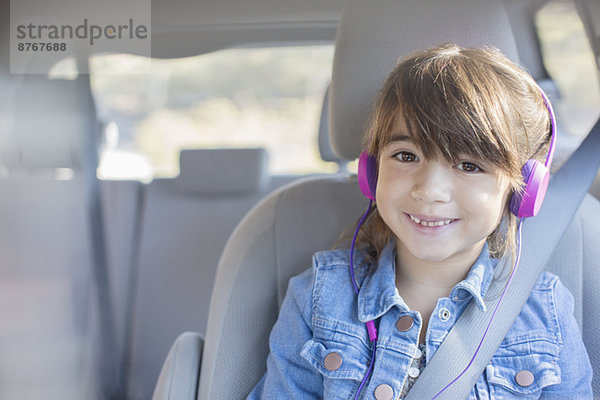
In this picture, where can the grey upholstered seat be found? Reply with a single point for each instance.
(185, 223)
(278, 237)
(325, 149)
(45, 244)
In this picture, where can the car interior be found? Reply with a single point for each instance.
(124, 281)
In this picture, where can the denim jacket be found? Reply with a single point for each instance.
(322, 314)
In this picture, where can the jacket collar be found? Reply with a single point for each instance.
(477, 281)
(378, 292)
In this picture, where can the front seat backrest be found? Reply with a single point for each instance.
(174, 278)
(276, 239)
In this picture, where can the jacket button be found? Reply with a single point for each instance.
(384, 392)
(404, 323)
(524, 378)
(413, 372)
(333, 361)
(444, 314)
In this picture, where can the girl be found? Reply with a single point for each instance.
(449, 135)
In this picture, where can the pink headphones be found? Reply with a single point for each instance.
(535, 175)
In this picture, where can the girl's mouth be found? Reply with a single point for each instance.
(431, 222)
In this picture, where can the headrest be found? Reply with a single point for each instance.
(374, 34)
(521, 13)
(221, 172)
(325, 149)
(46, 123)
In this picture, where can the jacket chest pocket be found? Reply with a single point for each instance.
(342, 365)
(520, 371)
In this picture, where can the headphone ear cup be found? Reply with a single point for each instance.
(367, 175)
(535, 176)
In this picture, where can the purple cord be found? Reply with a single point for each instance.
(493, 314)
(362, 220)
(368, 371)
(370, 324)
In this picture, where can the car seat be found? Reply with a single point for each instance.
(48, 236)
(276, 240)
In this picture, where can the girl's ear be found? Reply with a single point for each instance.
(509, 192)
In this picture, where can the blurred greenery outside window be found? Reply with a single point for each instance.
(569, 60)
(249, 97)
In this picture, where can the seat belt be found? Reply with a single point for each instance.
(540, 235)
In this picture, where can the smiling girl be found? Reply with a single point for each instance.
(449, 135)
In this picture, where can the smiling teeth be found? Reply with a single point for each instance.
(430, 223)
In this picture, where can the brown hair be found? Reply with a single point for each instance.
(469, 101)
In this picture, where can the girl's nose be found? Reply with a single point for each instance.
(432, 183)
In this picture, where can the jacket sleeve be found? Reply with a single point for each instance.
(289, 376)
(573, 360)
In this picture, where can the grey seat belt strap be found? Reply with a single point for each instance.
(540, 235)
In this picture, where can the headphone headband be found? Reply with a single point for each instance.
(553, 129)
(535, 174)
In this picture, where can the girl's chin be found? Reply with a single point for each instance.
(430, 257)
(427, 253)
(438, 252)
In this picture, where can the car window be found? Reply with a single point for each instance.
(248, 97)
(569, 60)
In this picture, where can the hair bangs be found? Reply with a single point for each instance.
(447, 113)
(450, 130)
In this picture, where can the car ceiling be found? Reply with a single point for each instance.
(183, 28)
(188, 27)
(205, 25)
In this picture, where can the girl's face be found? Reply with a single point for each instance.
(439, 211)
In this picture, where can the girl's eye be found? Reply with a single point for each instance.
(406, 156)
(469, 167)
